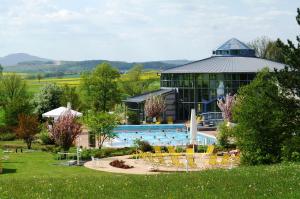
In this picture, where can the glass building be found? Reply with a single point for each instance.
(198, 85)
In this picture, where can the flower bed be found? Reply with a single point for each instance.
(120, 164)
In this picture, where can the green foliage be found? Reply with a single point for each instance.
(289, 82)
(133, 117)
(1, 70)
(267, 49)
(48, 98)
(7, 136)
(14, 98)
(143, 145)
(133, 82)
(100, 88)
(69, 94)
(224, 134)
(101, 125)
(291, 149)
(259, 130)
(45, 137)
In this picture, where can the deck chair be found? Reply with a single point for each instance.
(210, 149)
(212, 161)
(225, 160)
(190, 158)
(158, 156)
(170, 120)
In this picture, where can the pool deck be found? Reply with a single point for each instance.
(143, 167)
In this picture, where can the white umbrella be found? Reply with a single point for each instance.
(193, 128)
(55, 113)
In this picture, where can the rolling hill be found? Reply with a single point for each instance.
(25, 63)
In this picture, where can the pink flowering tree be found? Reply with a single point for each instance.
(154, 106)
(226, 105)
(65, 130)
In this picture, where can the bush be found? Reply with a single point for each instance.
(224, 137)
(86, 154)
(143, 145)
(291, 149)
(45, 138)
(7, 136)
(133, 117)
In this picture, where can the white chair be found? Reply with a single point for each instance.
(95, 161)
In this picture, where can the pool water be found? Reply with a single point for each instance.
(160, 135)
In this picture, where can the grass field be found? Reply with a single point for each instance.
(34, 85)
(36, 175)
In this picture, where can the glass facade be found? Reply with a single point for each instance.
(200, 91)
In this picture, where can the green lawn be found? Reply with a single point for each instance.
(34, 175)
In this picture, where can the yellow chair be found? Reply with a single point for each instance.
(190, 158)
(225, 160)
(157, 149)
(210, 149)
(159, 156)
(170, 120)
(176, 162)
(212, 161)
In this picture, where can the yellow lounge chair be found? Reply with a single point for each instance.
(174, 157)
(190, 158)
(225, 160)
(212, 161)
(210, 149)
(159, 156)
(170, 120)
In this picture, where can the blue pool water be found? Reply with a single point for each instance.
(163, 134)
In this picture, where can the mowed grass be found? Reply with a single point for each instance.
(35, 175)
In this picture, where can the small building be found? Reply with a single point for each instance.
(198, 85)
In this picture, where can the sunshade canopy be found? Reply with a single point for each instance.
(55, 113)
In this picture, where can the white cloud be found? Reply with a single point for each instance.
(137, 29)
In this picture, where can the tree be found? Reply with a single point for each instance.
(69, 94)
(101, 125)
(132, 83)
(48, 98)
(289, 83)
(28, 127)
(100, 87)
(266, 48)
(39, 76)
(14, 98)
(259, 133)
(1, 70)
(154, 106)
(65, 130)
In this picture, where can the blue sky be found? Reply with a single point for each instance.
(138, 30)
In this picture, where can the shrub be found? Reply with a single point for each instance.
(291, 149)
(259, 133)
(133, 117)
(224, 137)
(143, 145)
(45, 138)
(7, 136)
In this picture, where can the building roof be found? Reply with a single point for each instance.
(234, 44)
(226, 64)
(56, 113)
(145, 96)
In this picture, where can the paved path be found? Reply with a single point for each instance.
(141, 166)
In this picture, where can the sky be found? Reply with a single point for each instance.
(138, 30)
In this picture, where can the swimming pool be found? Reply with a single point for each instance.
(163, 134)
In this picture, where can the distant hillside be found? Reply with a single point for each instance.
(14, 59)
(41, 65)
